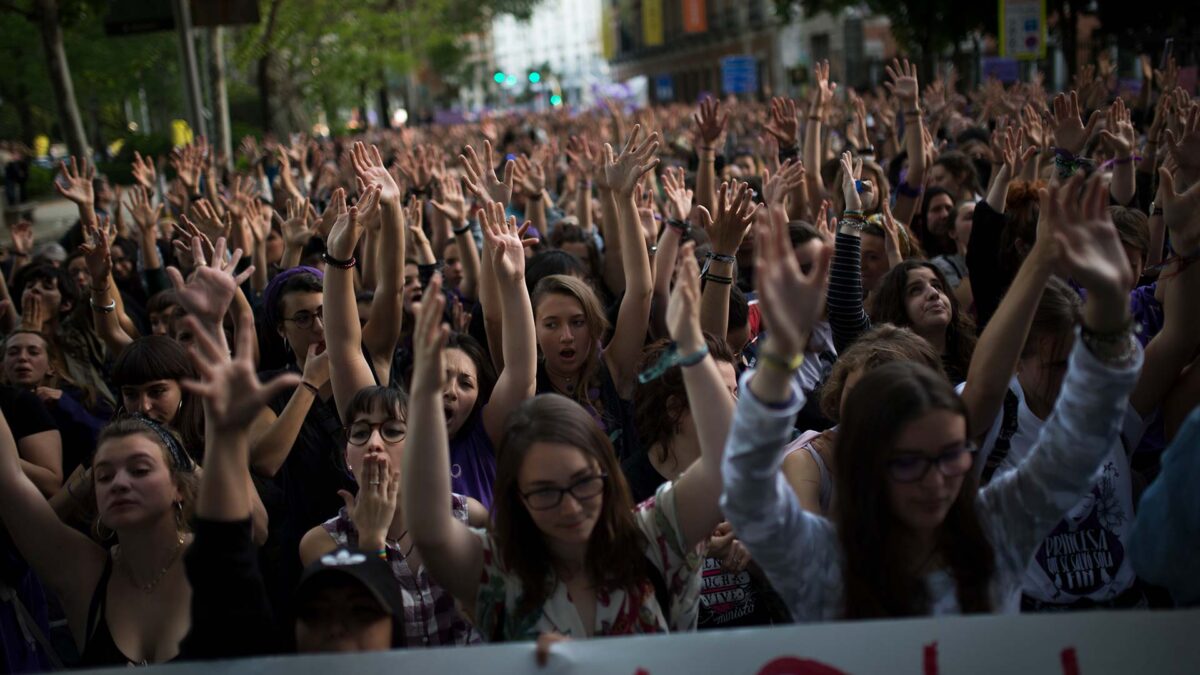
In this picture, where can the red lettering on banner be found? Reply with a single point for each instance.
(930, 664)
(1070, 661)
(790, 665)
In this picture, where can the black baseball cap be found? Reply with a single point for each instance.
(368, 570)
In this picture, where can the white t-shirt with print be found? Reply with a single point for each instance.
(1085, 556)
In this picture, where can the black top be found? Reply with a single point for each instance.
(988, 283)
(231, 613)
(613, 413)
(24, 411)
(641, 475)
(302, 494)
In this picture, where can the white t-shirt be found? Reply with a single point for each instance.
(1085, 555)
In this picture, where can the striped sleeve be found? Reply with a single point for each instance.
(845, 301)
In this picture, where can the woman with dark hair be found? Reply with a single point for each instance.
(148, 374)
(911, 532)
(130, 604)
(932, 224)
(955, 172)
(568, 554)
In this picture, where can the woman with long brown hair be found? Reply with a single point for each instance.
(911, 532)
(568, 553)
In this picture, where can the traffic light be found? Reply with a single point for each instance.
(556, 100)
(498, 77)
(535, 76)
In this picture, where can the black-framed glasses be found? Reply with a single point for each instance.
(912, 467)
(391, 431)
(304, 319)
(588, 487)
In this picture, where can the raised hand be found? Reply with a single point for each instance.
(823, 91)
(1184, 147)
(503, 241)
(679, 197)
(22, 238)
(188, 162)
(582, 156)
(1078, 219)
(851, 170)
(348, 227)
(482, 181)
(532, 177)
(372, 509)
(368, 165)
(791, 300)
(783, 125)
(145, 215)
(34, 312)
(683, 309)
(903, 83)
(638, 157)
(211, 287)
(891, 237)
(417, 167)
(735, 213)
(429, 339)
(1120, 134)
(143, 171)
(75, 182)
(710, 123)
(1179, 213)
(301, 223)
(97, 254)
(452, 203)
(1070, 134)
(209, 221)
(230, 388)
(777, 186)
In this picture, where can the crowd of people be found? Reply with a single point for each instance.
(904, 352)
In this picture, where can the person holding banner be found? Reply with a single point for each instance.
(911, 533)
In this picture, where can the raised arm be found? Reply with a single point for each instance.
(1175, 346)
(66, 560)
(847, 316)
(103, 299)
(453, 206)
(710, 125)
(1122, 138)
(710, 405)
(904, 87)
(623, 172)
(517, 381)
(1000, 346)
(348, 369)
(822, 98)
(1104, 364)
(382, 331)
(790, 545)
(454, 555)
(735, 214)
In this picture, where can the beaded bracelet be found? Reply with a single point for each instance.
(669, 359)
(341, 264)
(720, 257)
(717, 278)
(781, 364)
(681, 226)
(852, 213)
(382, 553)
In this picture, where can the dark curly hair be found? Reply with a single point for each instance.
(659, 404)
(890, 307)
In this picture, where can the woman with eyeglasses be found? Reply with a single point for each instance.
(911, 533)
(567, 554)
(373, 519)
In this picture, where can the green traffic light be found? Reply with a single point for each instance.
(499, 77)
(556, 100)
(535, 76)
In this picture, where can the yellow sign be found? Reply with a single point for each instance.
(608, 37)
(181, 133)
(652, 23)
(41, 145)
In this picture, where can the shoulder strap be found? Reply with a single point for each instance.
(29, 626)
(1008, 429)
(660, 589)
(96, 609)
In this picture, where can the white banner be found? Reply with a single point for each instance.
(1084, 643)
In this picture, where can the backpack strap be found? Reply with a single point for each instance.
(30, 629)
(1008, 429)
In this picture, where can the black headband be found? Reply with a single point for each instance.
(179, 457)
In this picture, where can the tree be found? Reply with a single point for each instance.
(45, 15)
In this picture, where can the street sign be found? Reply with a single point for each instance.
(1023, 29)
(664, 88)
(739, 74)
